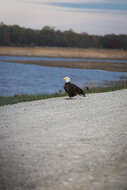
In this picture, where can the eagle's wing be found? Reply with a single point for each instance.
(76, 89)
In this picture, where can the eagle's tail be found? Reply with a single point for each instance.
(81, 92)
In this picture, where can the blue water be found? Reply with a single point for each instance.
(31, 79)
(61, 59)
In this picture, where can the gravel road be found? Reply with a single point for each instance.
(60, 144)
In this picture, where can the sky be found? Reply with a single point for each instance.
(91, 16)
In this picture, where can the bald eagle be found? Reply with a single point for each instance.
(71, 89)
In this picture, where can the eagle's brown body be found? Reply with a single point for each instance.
(73, 90)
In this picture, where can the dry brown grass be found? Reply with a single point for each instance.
(64, 52)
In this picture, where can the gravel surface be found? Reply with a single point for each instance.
(61, 144)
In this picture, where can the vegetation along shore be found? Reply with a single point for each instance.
(108, 87)
(64, 52)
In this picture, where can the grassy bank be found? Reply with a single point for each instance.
(6, 100)
(64, 52)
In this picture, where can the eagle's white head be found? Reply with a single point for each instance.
(67, 79)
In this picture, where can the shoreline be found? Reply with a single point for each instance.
(114, 67)
(118, 54)
(18, 98)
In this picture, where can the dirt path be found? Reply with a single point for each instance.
(60, 144)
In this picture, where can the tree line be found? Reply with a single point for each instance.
(14, 35)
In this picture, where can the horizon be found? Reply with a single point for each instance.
(69, 29)
(95, 17)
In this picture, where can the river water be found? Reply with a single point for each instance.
(16, 78)
(62, 59)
